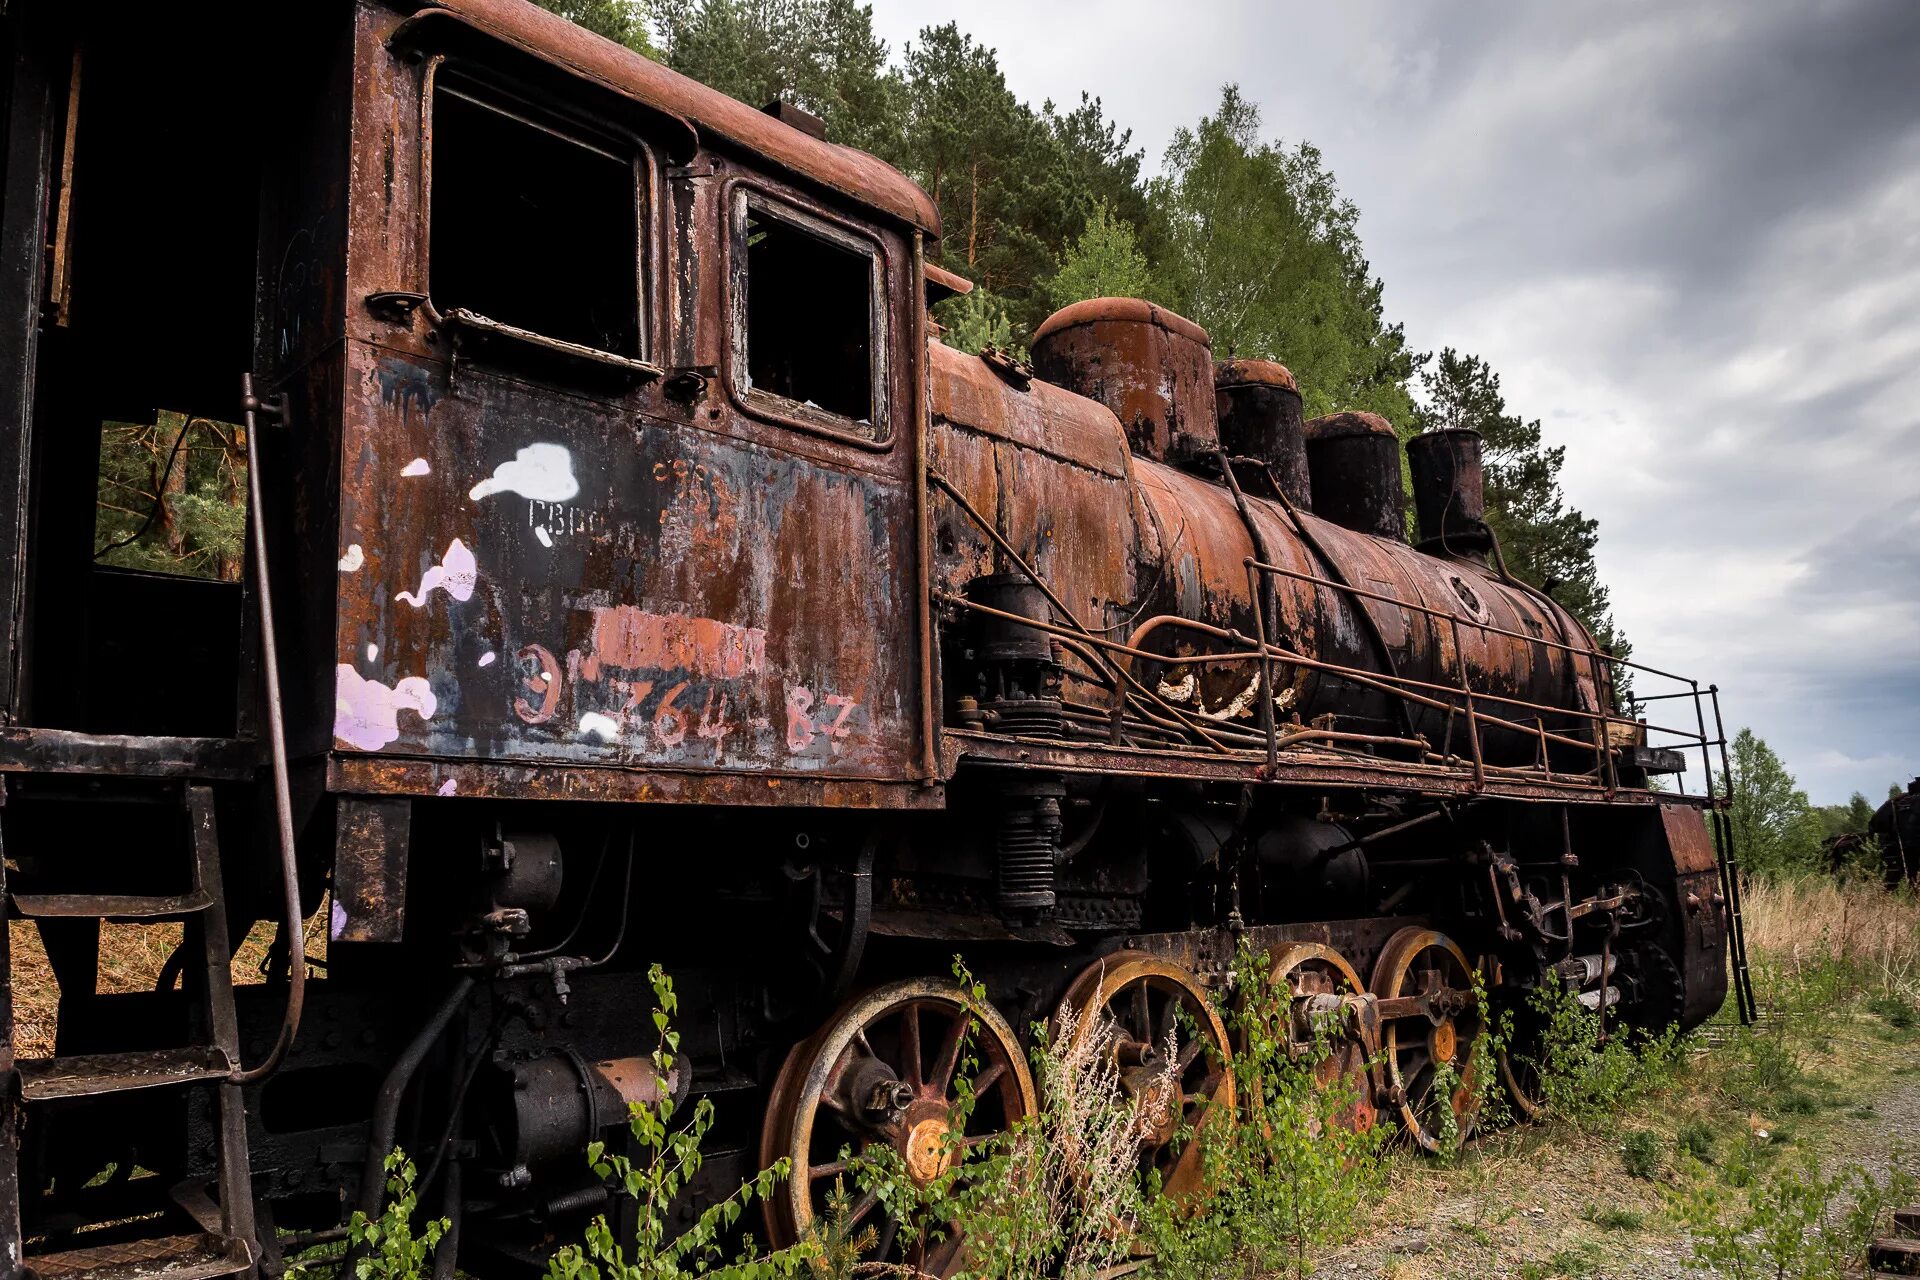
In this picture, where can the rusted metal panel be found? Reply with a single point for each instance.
(1449, 493)
(378, 775)
(371, 841)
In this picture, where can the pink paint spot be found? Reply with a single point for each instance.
(366, 713)
(418, 467)
(455, 574)
(447, 788)
(486, 659)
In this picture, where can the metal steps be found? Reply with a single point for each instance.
(43, 1079)
(104, 906)
(189, 1257)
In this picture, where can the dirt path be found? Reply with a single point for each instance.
(1554, 1201)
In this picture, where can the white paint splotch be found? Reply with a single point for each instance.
(353, 559)
(542, 472)
(456, 575)
(450, 787)
(418, 467)
(595, 725)
(487, 658)
(540, 532)
(366, 713)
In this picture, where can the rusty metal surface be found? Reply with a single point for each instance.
(370, 845)
(1153, 368)
(559, 572)
(844, 170)
(191, 1257)
(83, 1075)
(391, 775)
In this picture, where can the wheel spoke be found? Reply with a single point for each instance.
(910, 1044)
(1188, 1054)
(831, 1169)
(884, 1241)
(862, 1207)
(1142, 1012)
(949, 1054)
(988, 1078)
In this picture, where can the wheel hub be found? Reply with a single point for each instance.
(929, 1152)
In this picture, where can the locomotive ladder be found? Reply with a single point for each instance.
(223, 1243)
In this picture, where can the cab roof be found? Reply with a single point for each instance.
(846, 171)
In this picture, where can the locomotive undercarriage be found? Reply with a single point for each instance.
(533, 1033)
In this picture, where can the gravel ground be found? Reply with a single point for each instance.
(1532, 1202)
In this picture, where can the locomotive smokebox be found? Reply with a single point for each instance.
(1258, 405)
(1153, 368)
(1354, 460)
(1448, 493)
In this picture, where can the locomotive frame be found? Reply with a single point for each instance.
(601, 559)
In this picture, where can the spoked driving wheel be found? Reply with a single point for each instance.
(1431, 1019)
(1171, 1051)
(886, 1071)
(1522, 1042)
(1315, 980)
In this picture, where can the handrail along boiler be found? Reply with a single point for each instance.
(635, 577)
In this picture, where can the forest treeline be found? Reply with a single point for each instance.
(1045, 205)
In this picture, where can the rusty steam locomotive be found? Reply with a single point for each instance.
(633, 577)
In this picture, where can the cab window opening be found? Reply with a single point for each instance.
(533, 228)
(812, 304)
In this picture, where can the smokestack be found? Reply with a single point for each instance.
(1258, 406)
(1449, 497)
(1354, 461)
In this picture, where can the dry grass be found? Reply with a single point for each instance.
(1800, 924)
(131, 957)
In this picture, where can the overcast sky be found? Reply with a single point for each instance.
(1687, 235)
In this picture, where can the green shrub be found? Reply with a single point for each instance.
(1695, 1140)
(1795, 1223)
(1895, 1009)
(670, 1158)
(1614, 1217)
(1641, 1152)
(393, 1251)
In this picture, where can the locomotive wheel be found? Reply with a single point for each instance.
(1425, 972)
(1315, 977)
(885, 1071)
(1523, 1043)
(1154, 1003)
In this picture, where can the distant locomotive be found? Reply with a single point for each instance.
(635, 579)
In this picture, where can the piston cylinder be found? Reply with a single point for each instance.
(1354, 459)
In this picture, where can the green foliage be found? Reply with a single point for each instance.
(621, 21)
(976, 321)
(1586, 1077)
(1895, 1009)
(174, 492)
(1775, 830)
(1291, 1175)
(1642, 1153)
(1695, 1141)
(393, 1251)
(1796, 1223)
(1544, 541)
(820, 55)
(1614, 1217)
(1105, 262)
(669, 1158)
(1257, 245)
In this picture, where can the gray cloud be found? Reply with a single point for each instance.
(1686, 235)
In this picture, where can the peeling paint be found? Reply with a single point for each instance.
(624, 636)
(366, 713)
(543, 472)
(418, 467)
(353, 559)
(456, 574)
(595, 725)
(447, 788)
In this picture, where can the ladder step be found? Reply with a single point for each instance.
(192, 1257)
(109, 906)
(1896, 1255)
(1906, 1222)
(84, 1075)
